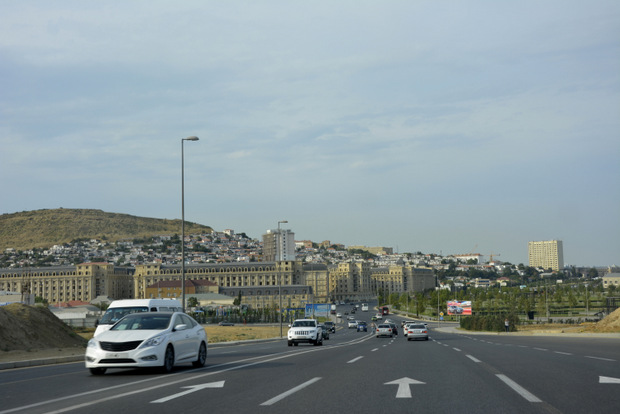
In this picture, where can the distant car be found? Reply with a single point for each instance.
(148, 339)
(384, 330)
(406, 322)
(325, 331)
(339, 315)
(373, 318)
(394, 328)
(379, 316)
(352, 324)
(361, 326)
(417, 331)
(350, 318)
(331, 326)
(224, 323)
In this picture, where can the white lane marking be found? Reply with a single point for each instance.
(192, 388)
(562, 353)
(608, 380)
(456, 349)
(473, 358)
(600, 359)
(519, 389)
(290, 392)
(355, 359)
(540, 349)
(373, 350)
(404, 389)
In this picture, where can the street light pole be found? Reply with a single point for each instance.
(192, 138)
(279, 259)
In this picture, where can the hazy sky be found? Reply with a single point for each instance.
(434, 126)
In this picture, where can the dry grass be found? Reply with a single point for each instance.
(217, 333)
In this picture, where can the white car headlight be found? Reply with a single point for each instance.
(92, 343)
(156, 340)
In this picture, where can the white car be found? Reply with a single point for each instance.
(352, 324)
(148, 339)
(417, 331)
(384, 330)
(379, 316)
(305, 331)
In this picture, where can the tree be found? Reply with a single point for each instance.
(237, 301)
(592, 273)
(192, 302)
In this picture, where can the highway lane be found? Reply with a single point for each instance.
(351, 372)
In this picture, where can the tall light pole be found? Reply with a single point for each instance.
(279, 259)
(192, 138)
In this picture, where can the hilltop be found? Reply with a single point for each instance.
(45, 228)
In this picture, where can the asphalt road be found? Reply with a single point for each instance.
(351, 372)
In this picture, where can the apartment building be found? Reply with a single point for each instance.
(82, 282)
(278, 245)
(546, 254)
(400, 278)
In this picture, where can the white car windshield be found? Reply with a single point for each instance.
(143, 321)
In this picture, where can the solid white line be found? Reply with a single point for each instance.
(355, 359)
(473, 358)
(291, 391)
(519, 389)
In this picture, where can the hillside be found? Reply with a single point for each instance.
(45, 228)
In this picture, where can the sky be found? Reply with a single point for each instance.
(445, 127)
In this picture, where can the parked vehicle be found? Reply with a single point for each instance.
(148, 339)
(120, 308)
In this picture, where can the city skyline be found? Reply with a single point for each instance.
(436, 127)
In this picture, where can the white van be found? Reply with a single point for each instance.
(120, 308)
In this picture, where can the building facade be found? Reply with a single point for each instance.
(279, 245)
(546, 254)
(402, 279)
(82, 282)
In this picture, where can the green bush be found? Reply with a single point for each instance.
(492, 323)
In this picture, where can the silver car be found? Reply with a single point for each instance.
(148, 339)
(384, 330)
(417, 331)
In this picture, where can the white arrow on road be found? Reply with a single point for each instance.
(608, 380)
(192, 388)
(403, 386)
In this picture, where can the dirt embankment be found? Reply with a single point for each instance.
(29, 328)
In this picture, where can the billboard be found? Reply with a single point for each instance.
(456, 307)
(320, 309)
